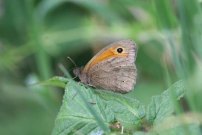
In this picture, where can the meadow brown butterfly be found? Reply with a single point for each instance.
(112, 68)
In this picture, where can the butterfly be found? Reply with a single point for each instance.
(113, 68)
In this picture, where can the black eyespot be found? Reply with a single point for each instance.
(119, 50)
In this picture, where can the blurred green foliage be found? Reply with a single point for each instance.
(36, 36)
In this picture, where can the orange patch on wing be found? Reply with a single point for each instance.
(104, 56)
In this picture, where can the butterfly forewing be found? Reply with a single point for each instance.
(115, 73)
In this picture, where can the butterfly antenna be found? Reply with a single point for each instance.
(72, 61)
(73, 64)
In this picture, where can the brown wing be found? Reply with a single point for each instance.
(129, 52)
(116, 73)
(118, 77)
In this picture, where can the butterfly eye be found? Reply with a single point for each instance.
(119, 50)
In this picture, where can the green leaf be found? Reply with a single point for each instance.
(93, 111)
(128, 111)
(187, 123)
(56, 81)
(74, 116)
(191, 129)
(142, 133)
(162, 106)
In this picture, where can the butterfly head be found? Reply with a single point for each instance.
(78, 72)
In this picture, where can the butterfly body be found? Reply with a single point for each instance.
(112, 68)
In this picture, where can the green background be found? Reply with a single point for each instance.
(37, 36)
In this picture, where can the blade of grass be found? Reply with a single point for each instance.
(166, 22)
(187, 11)
(42, 59)
(63, 69)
